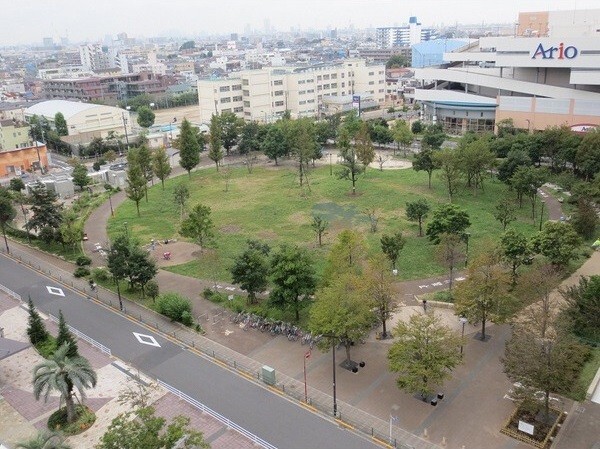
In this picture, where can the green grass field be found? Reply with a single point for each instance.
(269, 205)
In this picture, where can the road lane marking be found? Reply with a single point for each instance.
(146, 339)
(55, 291)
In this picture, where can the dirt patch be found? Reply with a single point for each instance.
(230, 229)
(298, 218)
(267, 235)
(180, 252)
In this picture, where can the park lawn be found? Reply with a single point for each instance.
(269, 205)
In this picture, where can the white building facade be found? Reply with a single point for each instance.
(264, 95)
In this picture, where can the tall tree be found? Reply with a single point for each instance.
(475, 159)
(433, 137)
(293, 277)
(484, 296)
(588, 154)
(35, 326)
(45, 211)
(417, 211)
(346, 255)
(61, 124)
(189, 147)
(7, 214)
(516, 158)
(402, 134)
(117, 259)
(558, 241)
(380, 291)
(251, 269)
(249, 138)
(583, 308)
(161, 166)
(585, 218)
(515, 250)
(144, 160)
(16, 184)
(63, 374)
(392, 245)
(65, 337)
(450, 254)
(424, 354)
(274, 144)
(181, 194)
(145, 116)
(505, 212)
(80, 176)
(351, 166)
(141, 428)
(141, 268)
(424, 161)
(215, 153)
(70, 231)
(198, 225)
(341, 314)
(230, 126)
(319, 226)
(448, 219)
(450, 172)
(364, 150)
(303, 145)
(136, 181)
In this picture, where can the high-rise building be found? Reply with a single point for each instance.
(411, 34)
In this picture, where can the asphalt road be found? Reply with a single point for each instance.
(268, 415)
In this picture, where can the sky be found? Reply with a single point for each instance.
(87, 20)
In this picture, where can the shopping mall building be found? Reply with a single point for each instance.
(535, 81)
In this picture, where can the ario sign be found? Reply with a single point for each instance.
(560, 52)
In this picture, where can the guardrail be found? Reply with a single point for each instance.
(225, 421)
(84, 337)
(9, 292)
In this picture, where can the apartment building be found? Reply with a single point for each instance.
(264, 95)
(13, 134)
(411, 34)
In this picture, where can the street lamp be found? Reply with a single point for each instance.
(467, 235)
(171, 129)
(330, 165)
(112, 212)
(542, 214)
(463, 320)
(125, 126)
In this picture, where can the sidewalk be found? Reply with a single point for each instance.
(23, 416)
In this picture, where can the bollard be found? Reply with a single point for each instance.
(234, 364)
(213, 353)
(444, 441)
(425, 433)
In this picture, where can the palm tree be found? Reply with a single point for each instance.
(44, 440)
(64, 375)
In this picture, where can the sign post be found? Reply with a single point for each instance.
(306, 356)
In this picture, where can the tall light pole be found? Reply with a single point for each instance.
(463, 320)
(542, 214)
(125, 127)
(334, 396)
(171, 130)
(112, 212)
(467, 235)
(330, 165)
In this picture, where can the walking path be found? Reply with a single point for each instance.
(476, 393)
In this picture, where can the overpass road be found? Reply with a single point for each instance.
(262, 412)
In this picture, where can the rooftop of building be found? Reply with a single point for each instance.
(67, 108)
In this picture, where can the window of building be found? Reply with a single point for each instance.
(279, 103)
(310, 81)
(302, 92)
(246, 93)
(343, 84)
(334, 76)
(301, 81)
(325, 86)
(381, 81)
(224, 89)
(371, 73)
(310, 91)
(226, 100)
(238, 109)
(319, 77)
(226, 110)
(245, 82)
(247, 104)
(302, 102)
(319, 88)
(381, 90)
(325, 77)
(310, 101)
(371, 83)
(278, 93)
(278, 83)
(333, 85)
(343, 74)
(236, 87)
(238, 98)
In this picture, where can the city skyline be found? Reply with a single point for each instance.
(81, 21)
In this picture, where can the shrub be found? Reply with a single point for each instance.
(186, 318)
(443, 296)
(213, 296)
(100, 274)
(152, 289)
(83, 261)
(85, 419)
(46, 347)
(173, 306)
(81, 272)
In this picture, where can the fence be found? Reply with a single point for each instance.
(84, 337)
(9, 292)
(227, 422)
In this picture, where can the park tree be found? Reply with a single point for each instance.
(433, 137)
(319, 225)
(249, 138)
(215, 141)
(145, 117)
(144, 160)
(392, 245)
(588, 154)
(141, 428)
(351, 124)
(402, 135)
(450, 254)
(303, 145)
(274, 144)
(447, 219)
(484, 295)
(379, 289)
(515, 250)
(136, 181)
(60, 124)
(231, 126)
(7, 214)
(583, 308)
(198, 225)
(416, 127)
(364, 150)
(251, 269)
(557, 241)
(351, 166)
(35, 326)
(475, 159)
(505, 212)
(526, 181)
(381, 134)
(117, 261)
(448, 163)
(66, 337)
(424, 161)
(559, 145)
(141, 268)
(161, 166)
(70, 231)
(293, 277)
(16, 185)
(189, 147)
(346, 255)
(417, 211)
(397, 61)
(80, 176)
(514, 160)
(341, 314)
(181, 194)
(63, 374)
(585, 218)
(44, 209)
(424, 354)
(152, 290)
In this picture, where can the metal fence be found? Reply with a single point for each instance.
(84, 337)
(223, 420)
